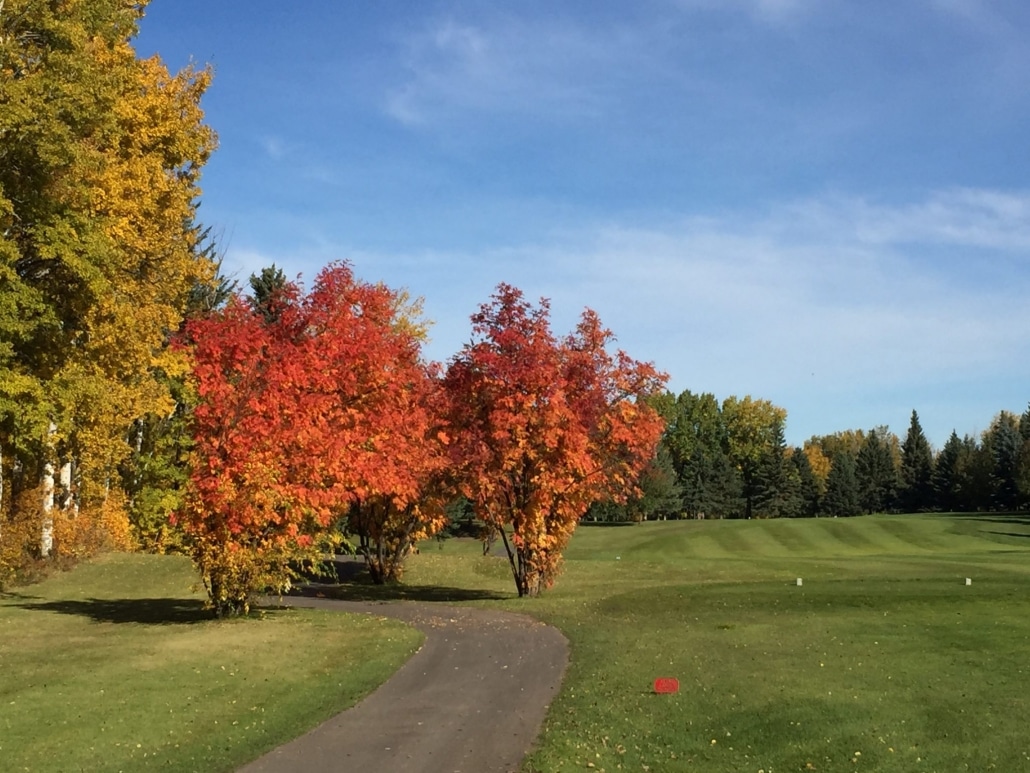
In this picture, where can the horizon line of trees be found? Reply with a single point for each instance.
(729, 460)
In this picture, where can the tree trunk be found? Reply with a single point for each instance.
(374, 568)
(46, 539)
(226, 597)
(516, 563)
(65, 481)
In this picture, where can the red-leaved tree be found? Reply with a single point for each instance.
(401, 497)
(300, 414)
(543, 427)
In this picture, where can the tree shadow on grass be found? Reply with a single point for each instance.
(346, 578)
(167, 611)
(1012, 520)
(1022, 535)
(367, 591)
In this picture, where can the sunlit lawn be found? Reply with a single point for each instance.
(882, 660)
(116, 666)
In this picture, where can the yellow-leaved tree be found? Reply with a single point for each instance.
(100, 156)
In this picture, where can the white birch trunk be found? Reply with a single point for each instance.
(65, 481)
(46, 539)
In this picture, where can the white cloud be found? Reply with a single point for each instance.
(840, 286)
(506, 65)
(959, 217)
(811, 312)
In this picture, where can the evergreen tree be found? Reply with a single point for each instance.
(875, 472)
(710, 485)
(1023, 468)
(659, 497)
(1005, 443)
(916, 492)
(975, 476)
(724, 494)
(842, 496)
(946, 476)
(269, 292)
(778, 486)
(205, 297)
(808, 484)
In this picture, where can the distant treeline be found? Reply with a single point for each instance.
(730, 460)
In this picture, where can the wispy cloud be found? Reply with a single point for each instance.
(763, 10)
(762, 303)
(961, 217)
(274, 147)
(977, 15)
(555, 68)
(505, 65)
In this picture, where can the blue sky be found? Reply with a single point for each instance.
(822, 203)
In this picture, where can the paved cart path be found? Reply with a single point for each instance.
(471, 700)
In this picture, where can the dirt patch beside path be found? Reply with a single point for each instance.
(471, 700)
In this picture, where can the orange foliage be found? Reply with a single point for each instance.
(545, 427)
(77, 534)
(301, 418)
(404, 500)
(102, 526)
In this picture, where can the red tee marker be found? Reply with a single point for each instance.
(666, 684)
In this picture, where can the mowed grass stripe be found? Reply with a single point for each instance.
(793, 537)
(743, 543)
(922, 534)
(701, 543)
(849, 536)
(886, 535)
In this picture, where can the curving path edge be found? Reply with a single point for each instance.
(471, 700)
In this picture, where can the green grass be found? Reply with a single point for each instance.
(116, 666)
(883, 660)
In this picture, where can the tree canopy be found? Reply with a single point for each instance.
(543, 427)
(100, 158)
(320, 411)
